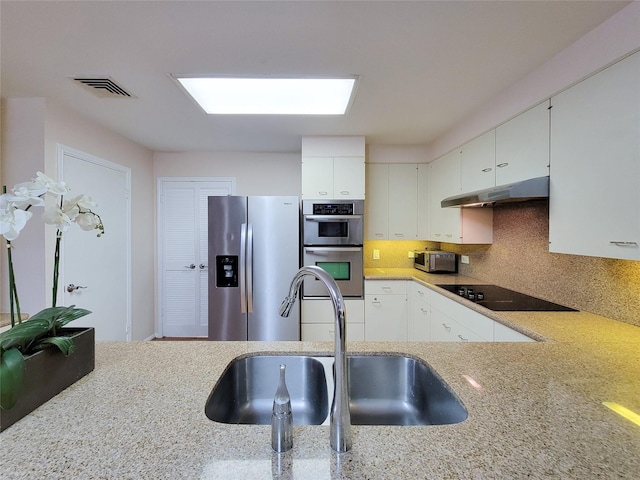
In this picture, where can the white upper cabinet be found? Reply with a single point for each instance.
(376, 206)
(514, 151)
(453, 224)
(522, 146)
(444, 181)
(403, 202)
(392, 201)
(333, 167)
(477, 159)
(424, 201)
(594, 196)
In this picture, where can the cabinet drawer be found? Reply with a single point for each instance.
(321, 311)
(385, 287)
(322, 332)
(502, 333)
(446, 329)
(469, 319)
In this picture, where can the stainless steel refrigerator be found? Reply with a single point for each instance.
(253, 255)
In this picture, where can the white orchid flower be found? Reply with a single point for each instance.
(80, 210)
(58, 188)
(12, 220)
(83, 202)
(27, 194)
(87, 221)
(55, 216)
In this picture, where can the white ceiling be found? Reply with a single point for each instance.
(423, 65)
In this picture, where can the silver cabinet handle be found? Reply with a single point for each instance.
(72, 288)
(502, 165)
(462, 338)
(624, 244)
(202, 266)
(447, 327)
(486, 170)
(192, 266)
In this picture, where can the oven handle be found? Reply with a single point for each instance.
(332, 249)
(320, 218)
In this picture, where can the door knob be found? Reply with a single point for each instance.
(192, 266)
(202, 266)
(71, 287)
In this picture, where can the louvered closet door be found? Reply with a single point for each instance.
(183, 255)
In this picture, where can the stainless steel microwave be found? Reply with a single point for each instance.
(333, 222)
(433, 261)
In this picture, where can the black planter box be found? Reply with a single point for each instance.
(49, 372)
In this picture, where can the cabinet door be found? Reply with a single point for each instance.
(348, 177)
(424, 203)
(385, 318)
(595, 165)
(442, 327)
(477, 163)
(502, 333)
(377, 201)
(418, 327)
(317, 177)
(522, 146)
(444, 181)
(403, 201)
(323, 332)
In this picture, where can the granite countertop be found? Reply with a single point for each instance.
(535, 412)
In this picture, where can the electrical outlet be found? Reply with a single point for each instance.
(464, 259)
(376, 254)
(410, 254)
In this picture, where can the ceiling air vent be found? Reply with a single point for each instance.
(103, 87)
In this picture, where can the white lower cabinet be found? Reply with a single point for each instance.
(419, 327)
(445, 329)
(465, 324)
(385, 311)
(502, 333)
(400, 311)
(318, 320)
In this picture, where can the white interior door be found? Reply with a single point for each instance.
(101, 266)
(182, 246)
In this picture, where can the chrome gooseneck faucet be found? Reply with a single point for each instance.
(340, 417)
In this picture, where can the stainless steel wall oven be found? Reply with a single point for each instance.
(333, 233)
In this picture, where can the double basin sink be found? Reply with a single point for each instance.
(384, 389)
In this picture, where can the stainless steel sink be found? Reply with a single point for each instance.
(384, 388)
(244, 393)
(399, 390)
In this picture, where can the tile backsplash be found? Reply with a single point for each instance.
(519, 259)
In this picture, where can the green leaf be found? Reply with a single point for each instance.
(61, 315)
(24, 333)
(11, 377)
(65, 344)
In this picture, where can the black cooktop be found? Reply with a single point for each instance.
(504, 300)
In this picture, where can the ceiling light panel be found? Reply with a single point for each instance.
(270, 96)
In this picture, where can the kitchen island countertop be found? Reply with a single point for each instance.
(535, 411)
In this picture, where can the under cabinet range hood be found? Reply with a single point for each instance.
(532, 189)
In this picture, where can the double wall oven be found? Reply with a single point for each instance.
(333, 234)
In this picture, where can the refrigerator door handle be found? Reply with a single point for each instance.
(249, 286)
(242, 268)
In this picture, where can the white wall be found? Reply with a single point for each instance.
(64, 127)
(32, 130)
(23, 126)
(612, 40)
(256, 173)
(397, 154)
